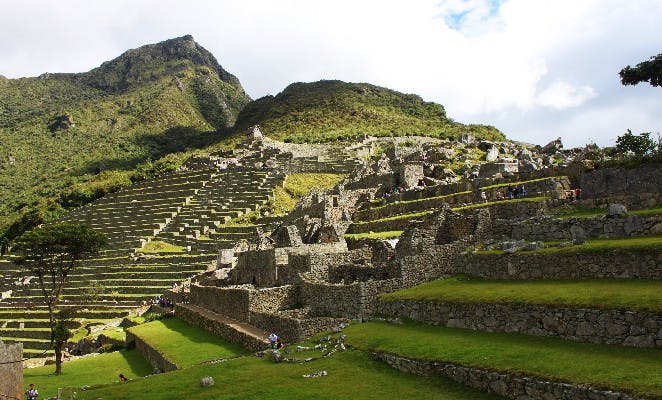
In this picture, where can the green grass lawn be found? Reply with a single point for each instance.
(157, 246)
(183, 344)
(374, 235)
(91, 370)
(621, 368)
(351, 375)
(644, 295)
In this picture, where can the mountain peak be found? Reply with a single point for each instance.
(149, 62)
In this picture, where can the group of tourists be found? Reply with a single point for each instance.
(516, 192)
(164, 302)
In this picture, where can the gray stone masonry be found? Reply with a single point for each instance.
(510, 385)
(641, 264)
(626, 328)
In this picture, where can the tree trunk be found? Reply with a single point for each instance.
(58, 357)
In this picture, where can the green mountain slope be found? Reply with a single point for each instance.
(60, 129)
(336, 110)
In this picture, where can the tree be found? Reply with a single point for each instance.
(51, 252)
(640, 145)
(648, 71)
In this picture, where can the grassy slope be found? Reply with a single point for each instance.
(638, 243)
(93, 370)
(624, 368)
(183, 344)
(594, 293)
(351, 375)
(335, 110)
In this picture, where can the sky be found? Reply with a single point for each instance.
(535, 69)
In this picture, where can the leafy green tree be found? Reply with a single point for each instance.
(639, 145)
(51, 252)
(648, 71)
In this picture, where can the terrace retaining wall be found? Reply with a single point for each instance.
(155, 359)
(626, 328)
(510, 385)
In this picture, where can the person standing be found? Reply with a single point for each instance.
(273, 338)
(32, 393)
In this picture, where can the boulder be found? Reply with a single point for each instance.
(578, 234)
(492, 154)
(552, 147)
(513, 246)
(207, 381)
(276, 356)
(616, 210)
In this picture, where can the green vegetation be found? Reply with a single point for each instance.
(492, 203)
(183, 344)
(639, 243)
(418, 200)
(374, 235)
(646, 71)
(630, 369)
(351, 374)
(396, 217)
(60, 130)
(334, 110)
(285, 198)
(159, 246)
(581, 212)
(519, 183)
(91, 370)
(642, 295)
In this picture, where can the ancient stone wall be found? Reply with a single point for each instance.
(566, 264)
(256, 266)
(546, 228)
(273, 299)
(155, 359)
(355, 300)
(510, 385)
(611, 182)
(231, 302)
(11, 370)
(291, 329)
(413, 206)
(626, 328)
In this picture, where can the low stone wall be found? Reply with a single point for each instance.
(626, 328)
(413, 206)
(155, 359)
(384, 225)
(219, 329)
(11, 370)
(510, 385)
(546, 228)
(622, 264)
(231, 302)
(513, 209)
(291, 329)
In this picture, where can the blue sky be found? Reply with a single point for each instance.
(536, 69)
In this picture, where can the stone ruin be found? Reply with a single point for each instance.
(11, 370)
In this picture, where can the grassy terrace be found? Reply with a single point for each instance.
(396, 217)
(622, 368)
(467, 207)
(157, 246)
(184, 345)
(374, 235)
(519, 183)
(579, 212)
(351, 374)
(91, 370)
(422, 200)
(639, 243)
(641, 295)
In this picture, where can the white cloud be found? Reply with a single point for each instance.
(529, 60)
(561, 95)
